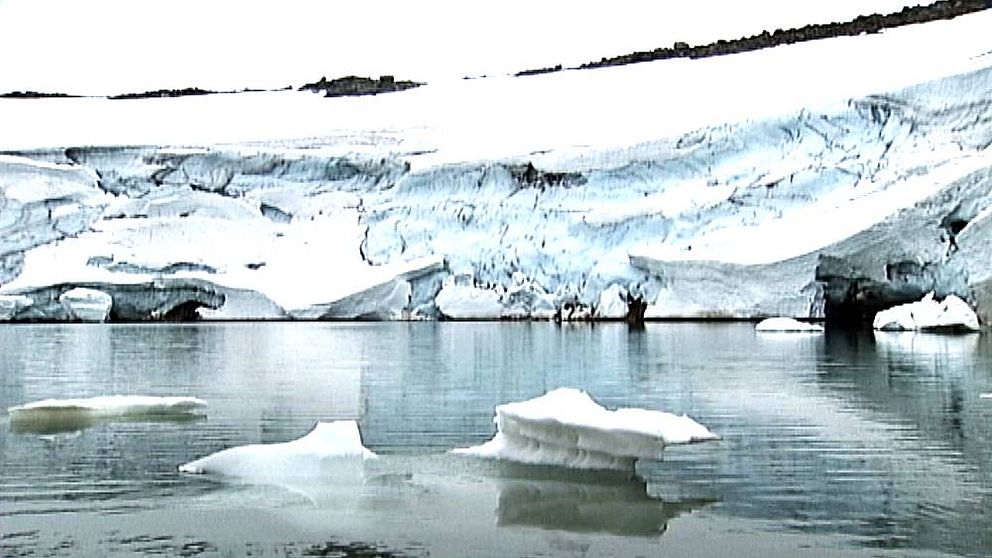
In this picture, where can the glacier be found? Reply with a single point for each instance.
(577, 195)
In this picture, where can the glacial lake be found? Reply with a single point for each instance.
(847, 443)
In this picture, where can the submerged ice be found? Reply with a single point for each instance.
(566, 427)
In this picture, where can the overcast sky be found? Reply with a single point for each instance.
(115, 46)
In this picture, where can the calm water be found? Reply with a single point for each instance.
(840, 444)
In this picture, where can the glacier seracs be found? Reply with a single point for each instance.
(452, 202)
(566, 427)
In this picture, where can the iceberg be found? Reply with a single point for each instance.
(567, 428)
(331, 449)
(985, 396)
(951, 314)
(51, 416)
(87, 305)
(783, 324)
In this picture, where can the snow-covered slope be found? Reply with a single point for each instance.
(821, 178)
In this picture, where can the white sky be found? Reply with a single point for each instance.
(115, 46)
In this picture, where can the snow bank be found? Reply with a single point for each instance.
(565, 427)
(951, 314)
(782, 324)
(331, 449)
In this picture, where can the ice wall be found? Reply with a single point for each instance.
(837, 210)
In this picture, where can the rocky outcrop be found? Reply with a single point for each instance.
(350, 86)
(874, 23)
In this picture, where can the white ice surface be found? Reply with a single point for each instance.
(331, 449)
(107, 406)
(781, 324)
(566, 427)
(928, 314)
(252, 45)
(497, 117)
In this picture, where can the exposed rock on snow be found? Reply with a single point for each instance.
(331, 449)
(950, 314)
(86, 305)
(565, 427)
(781, 324)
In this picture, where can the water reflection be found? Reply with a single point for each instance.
(52, 423)
(880, 437)
(561, 500)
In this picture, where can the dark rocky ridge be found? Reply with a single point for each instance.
(356, 86)
(34, 95)
(874, 23)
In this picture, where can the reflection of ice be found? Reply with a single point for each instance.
(611, 505)
(53, 416)
(908, 343)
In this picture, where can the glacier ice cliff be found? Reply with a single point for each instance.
(833, 211)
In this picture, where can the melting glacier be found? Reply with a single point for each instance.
(836, 209)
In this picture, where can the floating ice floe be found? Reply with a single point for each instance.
(789, 325)
(565, 427)
(62, 415)
(951, 314)
(985, 396)
(331, 449)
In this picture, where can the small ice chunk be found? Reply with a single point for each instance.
(110, 406)
(10, 305)
(782, 324)
(985, 396)
(87, 305)
(566, 427)
(461, 302)
(951, 314)
(330, 449)
(65, 415)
